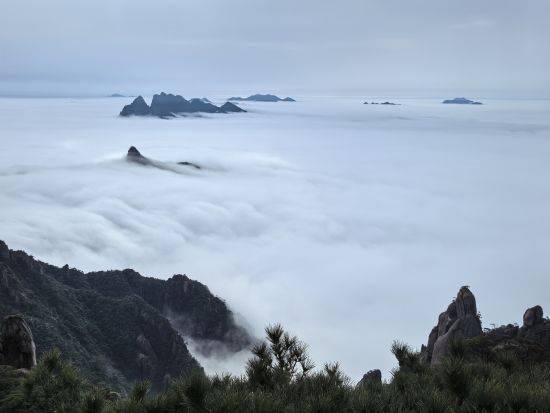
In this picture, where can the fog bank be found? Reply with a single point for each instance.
(352, 225)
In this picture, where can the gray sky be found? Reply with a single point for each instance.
(202, 47)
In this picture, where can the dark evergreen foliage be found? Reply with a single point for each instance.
(280, 379)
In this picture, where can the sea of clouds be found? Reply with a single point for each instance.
(352, 225)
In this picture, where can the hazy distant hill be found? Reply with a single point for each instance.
(261, 98)
(461, 101)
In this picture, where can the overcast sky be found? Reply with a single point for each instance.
(407, 47)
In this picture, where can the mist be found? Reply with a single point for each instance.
(352, 225)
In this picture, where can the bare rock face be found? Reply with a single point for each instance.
(4, 251)
(134, 155)
(535, 327)
(229, 107)
(533, 316)
(17, 348)
(146, 359)
(200, 105)
(530, 342)
(166, 104)
(138, 108)
(372, 377)
(465, 303)
(459, 321)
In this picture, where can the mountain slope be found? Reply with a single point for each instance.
(116, 326)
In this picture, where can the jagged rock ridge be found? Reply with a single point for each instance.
(115, 326)
(166, 105)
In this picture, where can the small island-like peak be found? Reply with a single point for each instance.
(462, 101)
(262, 98)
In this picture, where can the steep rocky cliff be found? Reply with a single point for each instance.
(17, 348)
(460, 324)
(116, 326)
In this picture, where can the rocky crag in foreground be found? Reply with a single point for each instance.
(166, 105)
(115, 326)
(460, 322)
(17, 348)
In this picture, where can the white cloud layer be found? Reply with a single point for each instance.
(352, 225)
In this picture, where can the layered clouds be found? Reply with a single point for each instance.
(352, 225)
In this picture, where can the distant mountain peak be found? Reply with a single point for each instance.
(133, 151)
(462, 101)
(261, 98)
(166, 105)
